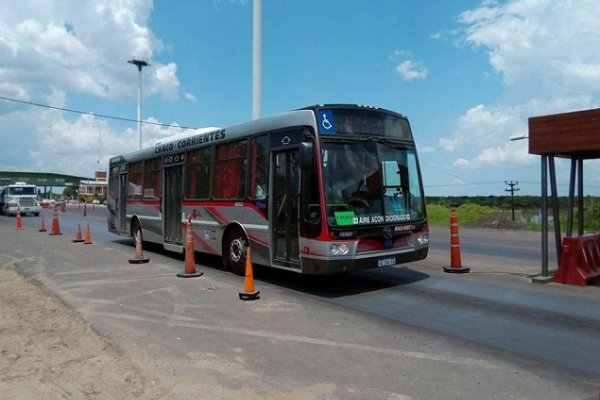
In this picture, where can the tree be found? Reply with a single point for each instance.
(69, 192)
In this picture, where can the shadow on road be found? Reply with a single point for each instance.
(339, 285)
(345, 284)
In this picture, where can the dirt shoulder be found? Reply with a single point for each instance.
(47, 352)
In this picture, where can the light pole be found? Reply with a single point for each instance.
(257, 59)
(139, 63)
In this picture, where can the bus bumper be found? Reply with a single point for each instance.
(314, 266)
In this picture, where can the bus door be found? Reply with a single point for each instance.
(172, 205)
(122, 203)
(286, 184)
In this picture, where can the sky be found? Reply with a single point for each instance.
(467, 74)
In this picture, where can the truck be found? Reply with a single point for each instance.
(20, 195)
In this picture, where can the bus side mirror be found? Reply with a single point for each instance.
(307, 156)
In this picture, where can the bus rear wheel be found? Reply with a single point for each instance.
(235, 252)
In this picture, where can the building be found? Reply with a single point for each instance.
(97, 187)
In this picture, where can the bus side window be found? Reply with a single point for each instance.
(135, 174)
(152, 179)
(230, 170)
(311, 208)
(259, 168)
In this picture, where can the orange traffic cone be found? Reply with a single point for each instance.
(55, 225)
(139, 254)
(42, 225)
(249, 293)
(78, 237)
(190, 262)
(19, 220)
(88, 235)
(455, 262)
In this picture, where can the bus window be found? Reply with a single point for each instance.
(134, 189)
(114, 181)
(310, 201)
(230, 173)
(199, 170)
(395, 184)
(259, 168)
(417, 204)
(153, 179)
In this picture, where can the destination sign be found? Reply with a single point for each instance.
(367, 123)
(363, 124)
(191, 141)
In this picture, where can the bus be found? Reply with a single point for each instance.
(320, 190)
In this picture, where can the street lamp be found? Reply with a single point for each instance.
(257, 59)
(139, 63)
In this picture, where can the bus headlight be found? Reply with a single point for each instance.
(423, 239)
(338, 249)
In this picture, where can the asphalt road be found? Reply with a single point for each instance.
(410, 332)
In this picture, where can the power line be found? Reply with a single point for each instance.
(498, 182)
(91, 113)
(465, 184)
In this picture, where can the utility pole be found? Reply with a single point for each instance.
(512, 191)
(139, 63)
(257, 59)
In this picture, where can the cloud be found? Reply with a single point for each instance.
(423, 149)
(483, 126)
(54, 51)
(407, 68)
(483, 133)
(80, 49)
(542, 45)
(74, 147)
(410, 70)
(541, 49)
(77, 146)
(165, 81)
(509, 155)
(190, 97)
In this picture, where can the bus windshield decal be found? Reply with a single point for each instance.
(377, 219)
(344, 217)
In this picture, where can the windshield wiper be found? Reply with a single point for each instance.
(376, 139)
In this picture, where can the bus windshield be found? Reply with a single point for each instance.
(371, 181)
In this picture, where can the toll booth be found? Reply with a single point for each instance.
(574, 136)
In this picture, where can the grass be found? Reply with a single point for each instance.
(478, 216)
(468, 214)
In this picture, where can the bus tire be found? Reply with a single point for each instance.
(235, 251)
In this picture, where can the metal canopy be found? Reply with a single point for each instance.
(40, 178)
(573, 135)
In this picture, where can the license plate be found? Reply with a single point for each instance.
(384, 262)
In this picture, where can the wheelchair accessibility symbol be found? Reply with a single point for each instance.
(326, 122)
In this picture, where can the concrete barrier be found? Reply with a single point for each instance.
(580, 261)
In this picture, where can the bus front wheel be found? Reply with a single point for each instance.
(235, 252)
